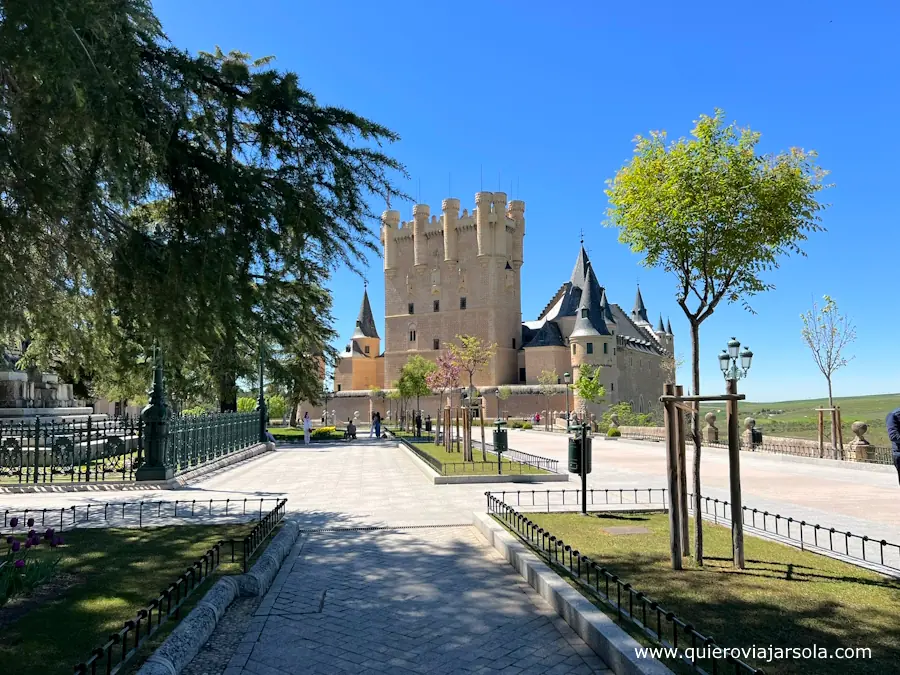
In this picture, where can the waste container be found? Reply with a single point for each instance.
(575, 454)
(756, 436)
(501, 444)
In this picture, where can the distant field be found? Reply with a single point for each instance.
(797, 419)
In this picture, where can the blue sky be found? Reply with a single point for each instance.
(548, 97)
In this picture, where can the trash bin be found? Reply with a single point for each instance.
(575, 454)
(501, 444)
(756, 436)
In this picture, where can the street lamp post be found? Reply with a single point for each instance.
(728, 363)
(567, 378)
(261, 406)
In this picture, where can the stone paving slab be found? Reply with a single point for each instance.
(435, 600)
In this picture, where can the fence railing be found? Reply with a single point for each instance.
(854, 548)
(41, 451)
(139, 513)
(535, 461)
(122, 645)
(95, 450)
(874, 454)
(479, 467)
(197, 439)
(660, 624)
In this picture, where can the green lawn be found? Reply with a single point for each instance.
(799, 419)
(109, 575)
(478, 467)
(785, 597)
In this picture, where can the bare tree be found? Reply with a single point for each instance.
(827, 333)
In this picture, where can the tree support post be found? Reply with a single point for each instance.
(734, 474)
(671, 419)
(682, 477)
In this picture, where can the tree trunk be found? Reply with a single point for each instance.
(227, 393)
(834, 430)
(294, 404)
(695, 432)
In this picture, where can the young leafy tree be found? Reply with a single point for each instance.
(588, 388)
(444, 378)
(414, 378)
(503, 393)
(828, 333)
(717, 215)
(471, 355)
(548, 380)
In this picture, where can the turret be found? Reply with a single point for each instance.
(483, 222)
(639, 313)
(450, 208)
(390, 220)
(420, 214)
(517, 214)
(498, 214)
(660, 331)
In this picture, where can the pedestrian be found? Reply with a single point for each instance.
(418, 423)
(377, 424)
(307, 427)
(372, 424)
(893, 429)
(428, 424)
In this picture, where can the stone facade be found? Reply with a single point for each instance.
(460, 274)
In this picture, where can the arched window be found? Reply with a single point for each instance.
(641, 403)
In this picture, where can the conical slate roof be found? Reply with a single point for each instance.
(547, 335)
(669, 326)
(606, 309)
(660, 328)
(589, 319)
(639, 313)
(365, 322)
(572, 297)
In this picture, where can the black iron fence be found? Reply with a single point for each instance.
(527, 458)
(660, 624)
(39, 451)
(122, 645)
(139, 513)
(91, 450)
(871, 552)
(477, 467)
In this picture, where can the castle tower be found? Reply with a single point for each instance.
(591, 341)
(459, 275)
(660, 331)
(670, 337)
(639, 313)
(390, 220)
(365, 335)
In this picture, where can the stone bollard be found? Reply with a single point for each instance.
(747, 436)
(859, 446)
(711, 433)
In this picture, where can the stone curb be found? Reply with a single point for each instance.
(258, 580)
(185, 641)
(600, 633)
(438, 479)
(175, 483)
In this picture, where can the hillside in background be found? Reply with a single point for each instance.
(797, 419)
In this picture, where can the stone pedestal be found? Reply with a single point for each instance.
(711, 432)
(859, 446)
(747, 436)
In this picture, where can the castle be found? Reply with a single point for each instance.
(461, 274)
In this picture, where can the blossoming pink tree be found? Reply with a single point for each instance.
(445, 378)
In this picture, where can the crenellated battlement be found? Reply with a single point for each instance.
(499, 228)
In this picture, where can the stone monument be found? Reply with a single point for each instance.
(859, 446)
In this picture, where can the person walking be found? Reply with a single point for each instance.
(377, 424)
(418, 423)
(893, 429)
(307, 427)
(372, 424)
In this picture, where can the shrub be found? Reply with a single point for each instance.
(195, 411)
(518, 424)
(323, 432)
(613, 433)
(527, 425)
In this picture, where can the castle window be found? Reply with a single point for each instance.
(573, 348)
(412, 336)
(584, 314)
(462, 303)
(437, 343)
(437, 305)
(412, 308)
(605, 348)
(521, 374)
(590, 347)
(339, 387)
(514, 343)
(612, 386)
(367, 349)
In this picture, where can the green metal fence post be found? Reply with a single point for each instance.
(155, 417)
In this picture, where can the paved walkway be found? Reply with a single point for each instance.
(428, 600)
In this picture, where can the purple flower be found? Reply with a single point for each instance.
(19, 564)
(49, 533)
(9, 539)
(31, 522)
(30, 533)
(13, 522)
(56, 541)
(35, 540)
(28, 543)
(16, 545)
